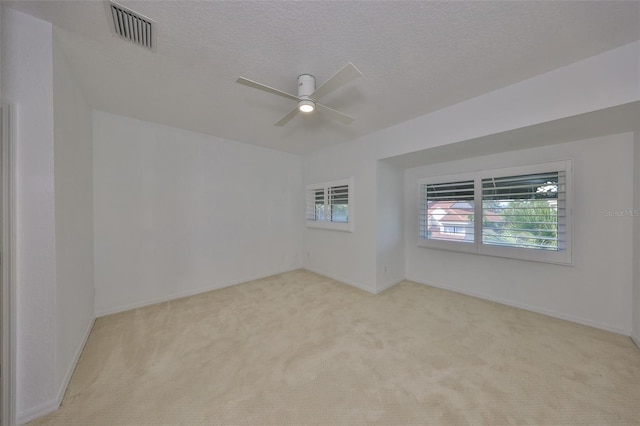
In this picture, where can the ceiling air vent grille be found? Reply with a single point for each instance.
(131, 25)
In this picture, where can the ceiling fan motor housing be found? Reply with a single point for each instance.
(306, 85)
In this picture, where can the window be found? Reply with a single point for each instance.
(449, 209)
(329, 205)
(524, 211)
(339, 203)
(318, 205)
(455, 230)
(520, 212)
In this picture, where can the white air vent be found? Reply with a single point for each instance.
(131, 26)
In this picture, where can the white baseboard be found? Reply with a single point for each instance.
(72, 366)
(353, 283)
(342, 280)
(53, 404)
(636, 340)
(389, 285)
(180, 295)
(527, 307)
(37, 412)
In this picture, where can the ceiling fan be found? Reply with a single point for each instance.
(308, 94)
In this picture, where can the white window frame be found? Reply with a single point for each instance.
(327, 223)
(562, 257)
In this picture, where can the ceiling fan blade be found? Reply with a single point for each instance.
(334, 114)
(284, 120)
(346, 74)
(265, 88)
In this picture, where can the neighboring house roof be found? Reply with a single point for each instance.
(451, 215)
(457, 212)
(451, 211)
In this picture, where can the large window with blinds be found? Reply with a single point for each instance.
(520, 212)
(329, 205)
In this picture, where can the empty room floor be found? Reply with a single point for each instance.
(299, 348)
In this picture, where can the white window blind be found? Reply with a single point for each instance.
(315, 204)
(339, 203)
(447, 211)
(527, 211)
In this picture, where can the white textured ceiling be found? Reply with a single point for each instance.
(416, 57)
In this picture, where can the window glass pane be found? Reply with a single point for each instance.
(447, 211)
(339, 203)
(524, 211)
(319, 204)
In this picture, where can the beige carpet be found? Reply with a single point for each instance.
(299, 348)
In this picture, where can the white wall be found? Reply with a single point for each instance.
(602, 81)
(74, 218)
(27, 82)
(390, 243)
(635, 334)
(178, 213)
(597, 289)
(346, 256)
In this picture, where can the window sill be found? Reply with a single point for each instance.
(331, 226)
(541, 256)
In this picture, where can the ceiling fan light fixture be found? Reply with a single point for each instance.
(306, 106)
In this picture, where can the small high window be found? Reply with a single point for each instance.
(329, 205)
